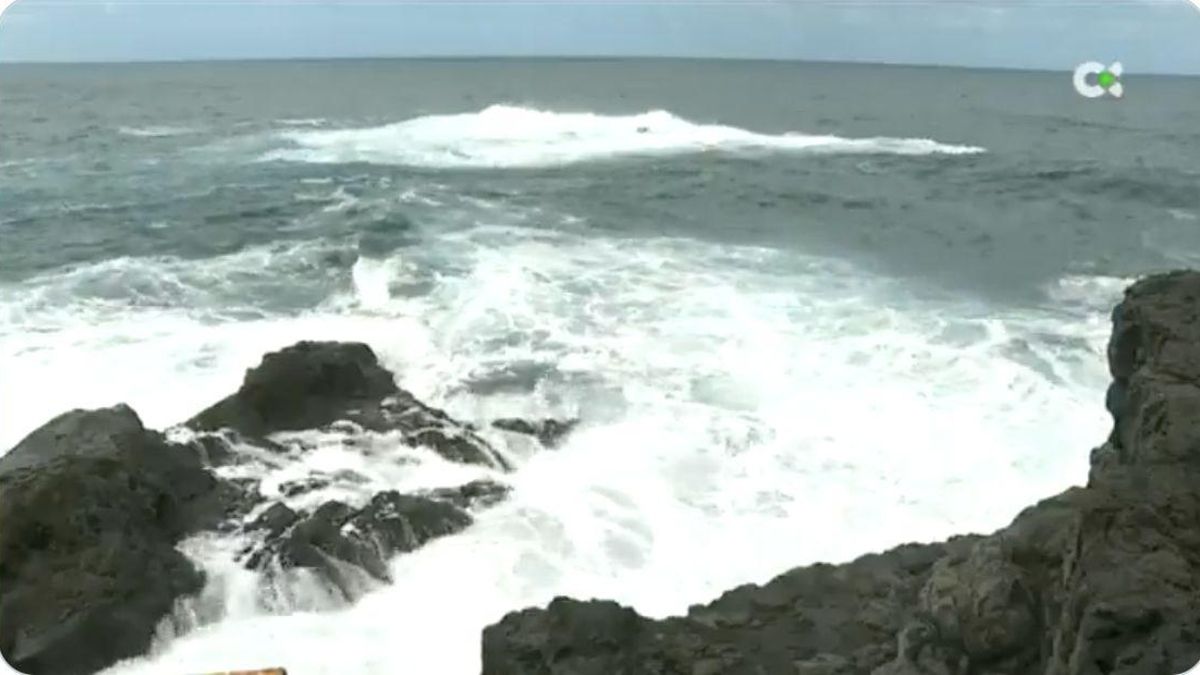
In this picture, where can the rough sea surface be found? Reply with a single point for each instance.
(804, 311)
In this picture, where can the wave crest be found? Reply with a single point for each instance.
(503, 136)
(159, 131)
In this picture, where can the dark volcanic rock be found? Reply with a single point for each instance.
(91, 506)
(1099, 580)
(305, 386)
(318, 542)
(214, 451)
(397, 523)
(237, 497)
(217, 449)
(549, 432)
(319, 480)
(342, 543)
(292, 488)
(277, 518)
(312, 385)
(581, 638)
(476, 494)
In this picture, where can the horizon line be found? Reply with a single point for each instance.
(550, 57)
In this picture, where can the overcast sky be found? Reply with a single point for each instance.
(1147, 35)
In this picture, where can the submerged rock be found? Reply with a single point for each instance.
(474, 495)
(91, 507)
(340, 542)
(226, 447)
(549, 432)
(312, 385)
(1099, 580)
(299, 486)
(275, 520)
(398, 523)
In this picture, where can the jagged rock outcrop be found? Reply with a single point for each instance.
(342, 386)
(345, 545)
(91, 507)
(1099, 580)
(477, 494)
(814, 620)
(312, 385)
(341, 543)
(548, 432)
(93, 504)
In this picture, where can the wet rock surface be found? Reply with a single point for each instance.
(340, 543)
(474, 495)
(1098, 580)
(305, 386)
(312, 385)
(91, 507)
(548, 432)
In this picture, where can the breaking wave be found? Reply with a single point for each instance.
(503, 136)
(155, 131)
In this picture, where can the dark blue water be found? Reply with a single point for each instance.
(104, 161)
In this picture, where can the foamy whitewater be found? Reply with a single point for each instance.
(507, 136)
(744, 414)
(785, 345)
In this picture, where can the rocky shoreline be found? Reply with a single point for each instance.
(1098, 580)
(94, 505)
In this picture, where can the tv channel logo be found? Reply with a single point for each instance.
(1094, 79)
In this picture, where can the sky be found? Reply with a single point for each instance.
(1157, 36)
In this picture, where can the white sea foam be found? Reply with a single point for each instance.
(1095, 291)
(156, 131)
(507, 136)
(120, 330)
(303, 122)
(745, 410)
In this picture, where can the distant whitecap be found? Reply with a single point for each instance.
(502, 136)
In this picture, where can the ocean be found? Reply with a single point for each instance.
(804, 311)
